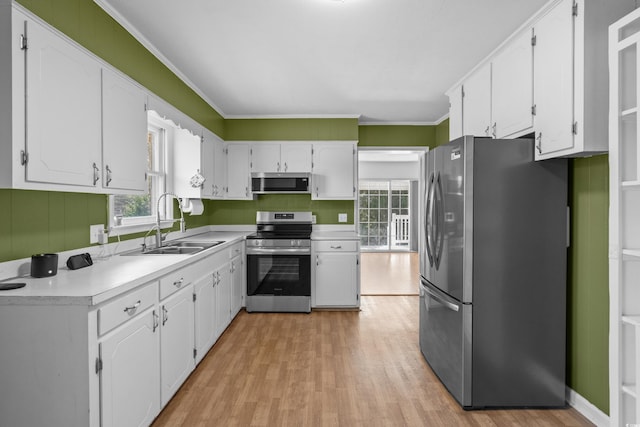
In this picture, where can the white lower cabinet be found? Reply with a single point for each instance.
(129, 381)
(176, 341)
(120, 362)
(336, 273)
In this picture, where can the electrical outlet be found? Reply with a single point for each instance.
(313, 219)
(94, 232)
(342, 217)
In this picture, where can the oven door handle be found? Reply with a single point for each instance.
(278, 251)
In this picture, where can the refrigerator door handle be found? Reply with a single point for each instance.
(440, 298)
(429, 219)
(439, 237)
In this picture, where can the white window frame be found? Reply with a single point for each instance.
(163, 131)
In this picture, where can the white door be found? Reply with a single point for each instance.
(176, 341)
(265, 157)
(129, 380)
(333, 171)
(238, 172)
(512, 87)
(63, 112)
(476, 103)
(205, 315)
(124, 134)
(336, 279)
(553, 80)
(295, 157)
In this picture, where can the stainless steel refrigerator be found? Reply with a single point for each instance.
(493, 273)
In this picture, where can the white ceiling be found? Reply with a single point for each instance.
(387, 61)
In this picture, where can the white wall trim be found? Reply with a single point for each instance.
(373, 123)
(292, 116)
(586, 408)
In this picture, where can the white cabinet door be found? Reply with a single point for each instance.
(187, 163)
(265, 157)
(553, 80)
(237, 283)
(476, 103)
(223, 298)
(455, 113)
(64, 133)
(336, 279)
(176, 341)
(333, 171)
(512, 87)
(207, 153)
(295, 157)
(124, 130)
(129, 382)
(238, 173)
(219, 168)
(205, 315)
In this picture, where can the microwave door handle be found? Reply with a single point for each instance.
(441, 299)
(429, 219)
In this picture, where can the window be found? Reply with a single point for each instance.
(384, 215)
(128, 211)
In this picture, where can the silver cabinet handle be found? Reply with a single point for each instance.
(156, 320)
(96, 174)
(336, 247)
(539, 144)
(132, 309)
(108, 174)
(494, 129)
(317, 192)
(165, 315)
(178, 283)
(486, 131)
(278, 168)
(285, 166)
(317, 260)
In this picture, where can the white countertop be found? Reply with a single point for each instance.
(108, 277)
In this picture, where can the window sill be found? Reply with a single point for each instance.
(141, 227)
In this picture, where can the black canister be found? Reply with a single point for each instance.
(44, 265)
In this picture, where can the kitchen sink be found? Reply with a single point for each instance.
(176, 248)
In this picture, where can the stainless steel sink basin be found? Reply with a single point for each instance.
(176, 248)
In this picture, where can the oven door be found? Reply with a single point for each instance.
(278, 272)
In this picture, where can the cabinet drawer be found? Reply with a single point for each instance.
(124, 308)
(336, 245)
(178, 279)
(236, 250)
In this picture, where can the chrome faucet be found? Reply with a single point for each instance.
(183, 227)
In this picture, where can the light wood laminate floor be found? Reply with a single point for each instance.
(389, 273)
(344, 368)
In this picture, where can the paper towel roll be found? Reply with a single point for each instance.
(194, 207)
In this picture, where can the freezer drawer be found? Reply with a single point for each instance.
(444, 340)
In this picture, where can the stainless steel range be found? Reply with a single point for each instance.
(279, 263)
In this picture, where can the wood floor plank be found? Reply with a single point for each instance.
(330, 369)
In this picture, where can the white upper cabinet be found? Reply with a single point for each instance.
(334, 171)
(188, 164)
(553, 81)
(124, 130)
(63, 111)
(512, 88)
(265, 157)
(219, 167)
(455, 113)
(281, 157)
(238, 172)
(476, 103)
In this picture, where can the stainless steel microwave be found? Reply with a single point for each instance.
(270, 183)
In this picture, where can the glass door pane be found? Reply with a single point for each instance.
(384, 215)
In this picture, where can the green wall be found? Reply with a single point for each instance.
(588, 282)
(34, 221)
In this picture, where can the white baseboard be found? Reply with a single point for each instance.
(587, 409)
